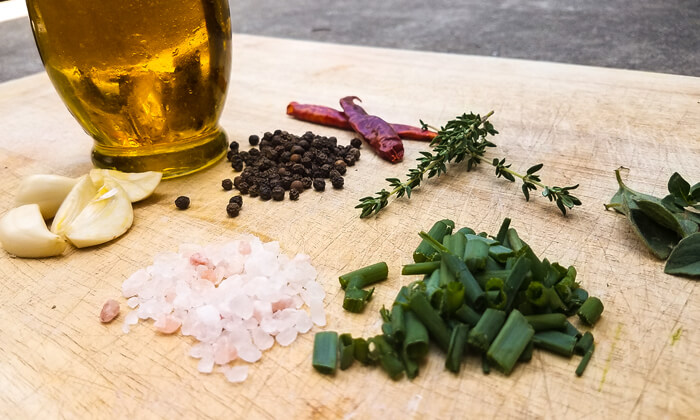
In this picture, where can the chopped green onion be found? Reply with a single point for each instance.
(365, 276)
(398, 324)
(474, 293)
(426, 267)
(584, 344)
(325, 353)
(467, 315)
(402, 296)
(590, 311)
(416, 344)
(556, 342)
(425, 252)
(476, 252)
(457, 244)
(356, 299)
(434, 291)
(454, 296)
(486, 330)
(495, 293)
(361, 350)
(455, 351)
(501, 236)
(445, 275)
(546, 322)
(584, 362)
(346, 349)
(431, 320)
(410, 365)
(537, 294)
(516, 278)
(500, 253)
(388, 359)
(510, 342)
(466, 231)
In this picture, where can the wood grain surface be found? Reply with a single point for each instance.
(57, 360)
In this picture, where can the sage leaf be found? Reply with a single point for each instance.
(660, 214)
(659, 239)
(685, 257)
(679, 187)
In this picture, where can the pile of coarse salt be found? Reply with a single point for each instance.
(236, 299)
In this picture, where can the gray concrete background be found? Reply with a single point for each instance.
(651, 35)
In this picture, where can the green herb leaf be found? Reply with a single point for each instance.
(685, 257)
(679, 187)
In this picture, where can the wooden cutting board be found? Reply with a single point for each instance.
(57, 360)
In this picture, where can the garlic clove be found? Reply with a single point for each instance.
(23, 233)
(138, 185)
(48, 191)
(106, 216)
(76, 200)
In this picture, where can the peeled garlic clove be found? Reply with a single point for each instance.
(78, 197)
(138, 185)
(107, 216)
(23, 233)
(48, 191)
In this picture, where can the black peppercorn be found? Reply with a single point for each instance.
(253, 140)
(243, 188)
(340, 167)
(349, 160)
(337, 182)
(254, 152)
(356, 143)
(278, 193)
(254, 191)
(234, 146)
(265, 193)
(319, 184)
(227, 184)
(237, 166)
(333, 174)
(182, 202)
(236, 199)
(293, 194)
(233, 209)
(306, 182)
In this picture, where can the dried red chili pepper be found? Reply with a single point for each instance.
(328, 116)
(377, 132)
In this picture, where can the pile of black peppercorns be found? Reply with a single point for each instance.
(285, 162)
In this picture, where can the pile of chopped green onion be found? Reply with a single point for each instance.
(488, 296)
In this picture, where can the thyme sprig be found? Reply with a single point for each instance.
(465, 137)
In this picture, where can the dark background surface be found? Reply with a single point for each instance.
(658, 36)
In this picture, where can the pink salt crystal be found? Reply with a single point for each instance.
(286, 337)
(237, 374)
(210, 275)
(282, 303)
(197, 259)
(318, 315)
(205, 365)
(244, 247)
(134, 283)
(249, 353)
(261, 310)
(303, 323)
(167, 324)
(261, 339)
(224, 352)
(110, 310)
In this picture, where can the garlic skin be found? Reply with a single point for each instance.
(48, 191)
(138, 185)
(78, 197)
(106, 216)
(23, 233)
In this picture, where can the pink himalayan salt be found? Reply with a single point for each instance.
(237, 299)
(110, 310)
(167, 324)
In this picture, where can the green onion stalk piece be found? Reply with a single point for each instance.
(474, 293)
(467, 315)
(346, 348)
(382, 351)
(425, 252)
(426, 267)
(501, 236)
(398, 323)
(454, 296)
(365, 276)
(476, 253)
(325, 353)
(431, 319)
(584, 344)
(569, 329)
(356, 299)
(584, 361)
(495, 293)
(526, 355)
(361, 350)
(417, 343)
(455, 351)
(510, 342)
(545, 322)
(486, 330)
(591, 310)
(500, 253)
(457, 244)
(556, 342)
(516, 278)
